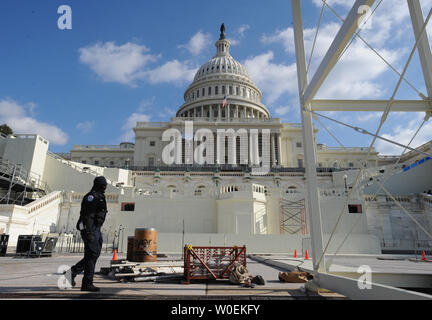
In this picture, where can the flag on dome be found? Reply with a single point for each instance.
(224, 102)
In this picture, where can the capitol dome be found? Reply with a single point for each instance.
(223, 79)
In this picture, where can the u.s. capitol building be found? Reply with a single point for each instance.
(221, 200)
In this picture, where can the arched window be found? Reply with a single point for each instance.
(172, 188)
(200, 191)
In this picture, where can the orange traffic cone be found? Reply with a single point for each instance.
(424, 256)
(114, 258)
(307, 255)
(295, 253)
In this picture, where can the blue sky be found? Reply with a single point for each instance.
(131, 61)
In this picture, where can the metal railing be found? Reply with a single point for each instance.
(19, 177)
(72, 242)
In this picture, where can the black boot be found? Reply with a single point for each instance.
(89, 287)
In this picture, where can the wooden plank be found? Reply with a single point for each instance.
(150, 264)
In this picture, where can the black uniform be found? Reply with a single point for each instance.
(92, 216)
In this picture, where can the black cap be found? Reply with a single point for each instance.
(100, 183)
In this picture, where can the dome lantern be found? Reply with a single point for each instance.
(223, 44)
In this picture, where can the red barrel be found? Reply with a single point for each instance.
(145, 245)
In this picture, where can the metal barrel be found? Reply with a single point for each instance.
(145, 245)
(130, 249)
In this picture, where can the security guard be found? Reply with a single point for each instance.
(92, 216)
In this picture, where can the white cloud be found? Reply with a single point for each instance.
(122, 64)
(130, 123)
(273, 79)
(16, 117)
(343, 3)
(172, 71)
(242, 29)
(369, 116)
(403, 134)
(85, 126)
(167, 112)
(355, 75)
(280, 111)
(144, 104)
(239, 32)
(127, 64)
(197, 43)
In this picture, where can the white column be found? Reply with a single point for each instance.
(279, 153)
(229, 112)
(202, 111)
(237, 111)
(423, 46)
(219, 112)
(312, 204)
(273, 149)
(211, 111)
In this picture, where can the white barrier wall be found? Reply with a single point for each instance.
(415, 180)
(63, 175)
(255, 244)
(266, 244)
(29, 151)
(354, 244)
(40, 216)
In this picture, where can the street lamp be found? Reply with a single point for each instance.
(345, 180)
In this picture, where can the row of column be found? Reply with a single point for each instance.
(238, 112)
(275, 149)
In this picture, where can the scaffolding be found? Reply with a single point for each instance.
(292, 216)
(19, 185)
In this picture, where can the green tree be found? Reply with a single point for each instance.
(5, 129)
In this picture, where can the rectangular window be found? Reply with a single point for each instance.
(216, 90)
(355, 208)
(197, 93)
(320, 164)
(151, 162)
(237, 91)
(244, 92)
(351, 165)
(223, 89)
(96, 162)
(230, 90)
(84, 161)
(203, 92)
(300, 163)
(128, 206)
(152, 143)
(299, 144)
(209, 91)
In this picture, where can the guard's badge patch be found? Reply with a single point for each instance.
(90, 198)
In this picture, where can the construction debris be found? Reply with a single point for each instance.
(210, 263)
(294, 277)
(144, 271)
(239, 275)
